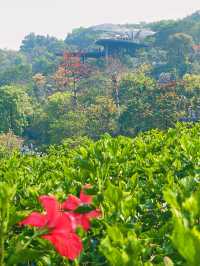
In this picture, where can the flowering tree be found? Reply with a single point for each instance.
(69, 74)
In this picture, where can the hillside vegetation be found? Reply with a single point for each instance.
(42, 102)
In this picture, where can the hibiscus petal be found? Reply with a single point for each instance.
(94, 214)
(51, 205)
(34, 219)
(69, 246)
(86, 199)
(65, 224)
(85, 222)
(84, 219)
(73, 220)
(71, 203)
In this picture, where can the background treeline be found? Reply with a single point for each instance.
(124, 97)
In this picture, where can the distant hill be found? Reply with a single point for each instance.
(84, 38)
(42, 54)
(189, 25)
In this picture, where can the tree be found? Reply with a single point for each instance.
(191, 90)
(57, 120)
(102, 117)
(97, 84)
(43, 52)
(59, 77)
(9, 143)
(167, 109)
(39, 82)
(20, 74)
(15, 109)
(138, 94)
(180, 46)
(115, 70)
(74, 70)
(14, 68)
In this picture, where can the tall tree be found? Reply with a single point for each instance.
(15, 109)
(102, 118)
(57, 120)
(180, 46)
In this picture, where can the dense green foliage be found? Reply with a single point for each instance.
(15, 108)
(142, 105)
(147, 188)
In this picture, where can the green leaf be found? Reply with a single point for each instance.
(84, 209)
(168, 261)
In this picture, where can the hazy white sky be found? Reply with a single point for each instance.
(58, 17)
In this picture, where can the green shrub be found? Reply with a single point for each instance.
(147, 189)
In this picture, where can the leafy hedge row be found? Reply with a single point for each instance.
(147, 188)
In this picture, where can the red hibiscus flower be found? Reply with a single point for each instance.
(72, 203)
(60, 227)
